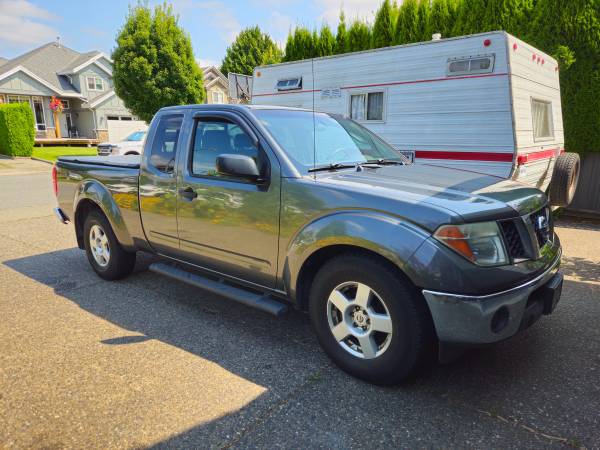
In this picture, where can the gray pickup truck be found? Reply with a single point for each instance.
(395, 263)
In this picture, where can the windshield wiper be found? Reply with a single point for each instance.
(384, 162)
(332, 166)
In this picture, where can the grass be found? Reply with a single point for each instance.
(52, 153)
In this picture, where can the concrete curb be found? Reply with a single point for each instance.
(42, 160)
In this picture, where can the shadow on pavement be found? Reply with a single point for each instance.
(525, 391)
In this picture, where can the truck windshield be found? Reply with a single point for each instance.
(321, 139)
(137, 136)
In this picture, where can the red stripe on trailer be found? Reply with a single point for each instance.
(465, 156)
(536, 156)
(394, 83)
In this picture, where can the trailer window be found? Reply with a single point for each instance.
(289, 84)
(367, 106)
(543, 126)
(470, 65)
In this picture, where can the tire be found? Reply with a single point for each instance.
(392, 357)
(108, 259)
(564, 179)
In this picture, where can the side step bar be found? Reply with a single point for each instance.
(263, 302)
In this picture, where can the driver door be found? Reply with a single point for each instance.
(226, 224)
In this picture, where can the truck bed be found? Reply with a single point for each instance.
(124, 162)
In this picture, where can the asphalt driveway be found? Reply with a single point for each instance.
(149, 362)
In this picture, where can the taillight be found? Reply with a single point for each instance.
(54, 181)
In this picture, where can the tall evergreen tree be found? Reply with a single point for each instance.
(407, 27)
(470, 17)
(424, 25)
(507, 15)
(300, 45)
(154, 64)
(341, 37)
(572, 36)
(326, 42)
(440, 19)
(383, 29)
(251, 48)
(359, 36)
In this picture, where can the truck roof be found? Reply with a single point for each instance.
(229, 107)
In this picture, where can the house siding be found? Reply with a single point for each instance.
(22, 84)
(95, 71)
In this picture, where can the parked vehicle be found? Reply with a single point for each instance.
(131, 145)
(487, 102)
(275, 206)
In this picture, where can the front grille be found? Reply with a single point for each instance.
(543, 226)
(513, 240)
(104, 150)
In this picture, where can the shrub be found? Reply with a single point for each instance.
(17, 129)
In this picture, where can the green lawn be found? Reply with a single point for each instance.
(52, 153)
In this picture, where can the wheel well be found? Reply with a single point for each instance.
(315, 261)
(83, 209)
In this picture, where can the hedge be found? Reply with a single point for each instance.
(17, 129)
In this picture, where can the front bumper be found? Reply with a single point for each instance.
(469, 319)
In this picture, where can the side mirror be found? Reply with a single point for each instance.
(240, 166)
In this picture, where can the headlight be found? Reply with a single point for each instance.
(481, 243)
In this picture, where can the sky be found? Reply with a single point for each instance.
(212, 24)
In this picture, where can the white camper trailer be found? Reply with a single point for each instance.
(488, 103)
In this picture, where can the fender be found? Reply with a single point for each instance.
(100, 195)
(391, 237)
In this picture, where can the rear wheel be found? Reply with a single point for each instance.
(370, 320)
(106, 256)
(564, 179)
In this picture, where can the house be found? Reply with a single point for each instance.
(216, 85)
(82, 81)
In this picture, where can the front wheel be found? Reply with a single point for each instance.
(106, 256)
(370, 320)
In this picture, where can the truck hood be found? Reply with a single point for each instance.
(473, 196)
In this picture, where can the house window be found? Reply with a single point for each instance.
(367, 106)
(218, 97)
(543, 125)
(66, 104)
(18, 99)
(95, 84)
(38, 111)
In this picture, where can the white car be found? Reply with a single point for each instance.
(132, 145)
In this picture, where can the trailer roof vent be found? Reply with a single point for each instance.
(436, 37)
(470, 65)
(289, 84)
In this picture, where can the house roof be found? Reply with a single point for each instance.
(216, 77)
(49, 64)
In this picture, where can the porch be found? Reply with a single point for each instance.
(89, 142)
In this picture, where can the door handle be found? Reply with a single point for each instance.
(188, 193)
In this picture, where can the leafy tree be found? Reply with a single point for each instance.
(359, 36)
(251, 48)
(407, 27)
(383, 29)
(154, 64)
(326, 42)
(341, 37)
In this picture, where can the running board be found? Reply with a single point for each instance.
(263, 302)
